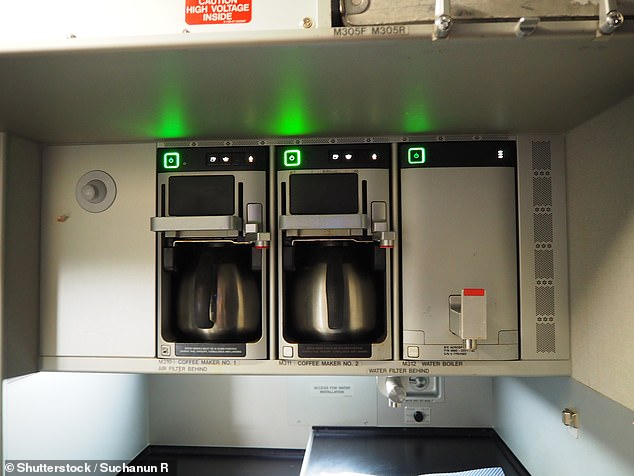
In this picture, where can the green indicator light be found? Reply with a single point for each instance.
(292, 158)
(416, 155)
(171, 160)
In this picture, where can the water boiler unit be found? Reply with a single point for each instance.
(334, 251)
(212, 252)
(459, 281)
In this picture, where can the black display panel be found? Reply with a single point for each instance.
(333, 156)
(211, 159)
(458, 154)
(201, 195)
(316, 194)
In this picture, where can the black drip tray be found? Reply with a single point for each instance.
(195, 461)
(407, 451)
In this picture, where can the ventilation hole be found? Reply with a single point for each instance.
(543, 245)
(542, 191)
(541, 155)
(543, 227)
(545, 301)
(312, 140)
(544, 264)
(541, 210)
(545, 334)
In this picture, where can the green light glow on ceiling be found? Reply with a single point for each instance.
(171, 116)
(172, 123)
(415, 120)
(292, 120)
(415, 107)
(292, 113)
(293, 117)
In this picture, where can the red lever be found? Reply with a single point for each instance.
(473, 292)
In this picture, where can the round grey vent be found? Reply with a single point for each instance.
(95, 191)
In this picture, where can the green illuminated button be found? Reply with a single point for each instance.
(416, 155)
(171, 160)
(292, 158)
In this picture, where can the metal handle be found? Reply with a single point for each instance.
(323, 222)
(204, 223)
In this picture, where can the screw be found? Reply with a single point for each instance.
(307, 22)
(443, 22)
(614, 19)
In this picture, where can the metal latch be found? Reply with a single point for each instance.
(443, 21)
(609, 17)
(354, 7)
(468, 316)
(570, 418)
(380, 228)
(526, 26)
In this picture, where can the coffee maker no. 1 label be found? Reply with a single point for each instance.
(213, 238)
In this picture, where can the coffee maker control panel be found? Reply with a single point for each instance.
(205, 159)
(335, 156)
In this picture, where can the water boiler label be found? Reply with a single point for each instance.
(331, 390)
(211, 350)
(216, 12)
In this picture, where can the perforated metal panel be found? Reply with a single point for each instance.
(544, 309)
(545, 337)
(543, 236)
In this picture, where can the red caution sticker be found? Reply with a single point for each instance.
(215, 12)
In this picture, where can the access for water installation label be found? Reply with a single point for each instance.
(331, 390)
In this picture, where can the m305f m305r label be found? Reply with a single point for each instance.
(380, 30)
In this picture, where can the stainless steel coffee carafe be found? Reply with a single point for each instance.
(218, 300)
(333, 296)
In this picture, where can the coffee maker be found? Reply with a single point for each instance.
(212, 239)
(334, 251)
